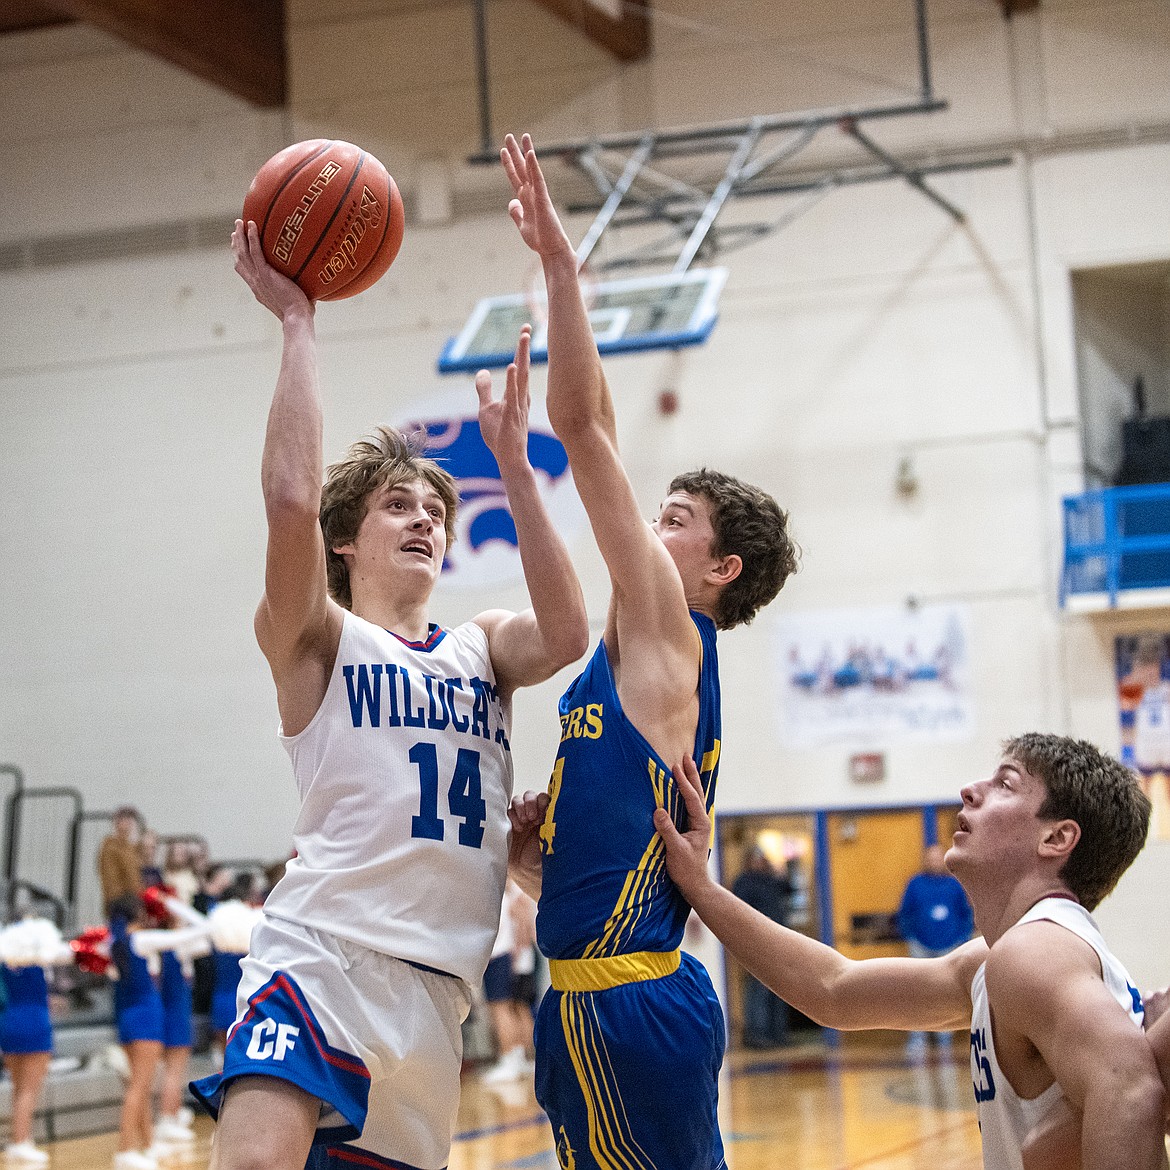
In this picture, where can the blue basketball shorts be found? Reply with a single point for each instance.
(377, 1040)
(629, 1076)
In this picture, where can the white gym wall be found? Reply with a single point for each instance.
(133, 388)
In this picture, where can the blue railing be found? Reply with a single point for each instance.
(1116, 539)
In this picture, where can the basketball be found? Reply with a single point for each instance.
(329, 216)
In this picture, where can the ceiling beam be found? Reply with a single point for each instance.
(237, 46)
(22, 15)
(626, 36)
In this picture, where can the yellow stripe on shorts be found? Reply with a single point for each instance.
(611, 1140)
(602, 974)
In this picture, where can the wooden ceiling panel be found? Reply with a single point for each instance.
(237, 46)
(23, 15)
(626, 36)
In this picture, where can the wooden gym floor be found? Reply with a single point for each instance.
(806, 1108)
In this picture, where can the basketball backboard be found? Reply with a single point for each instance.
(648, 312)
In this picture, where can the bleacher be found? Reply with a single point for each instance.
(47, 859)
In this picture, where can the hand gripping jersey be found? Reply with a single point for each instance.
(630, 1039)
(1005, 1119)
(405, 776)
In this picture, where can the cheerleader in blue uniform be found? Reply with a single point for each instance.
(138, 1011)
(141, 1019)
(190, 941)
(230, 924)
(26, 1034)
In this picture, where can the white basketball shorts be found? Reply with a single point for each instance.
(376, 1039)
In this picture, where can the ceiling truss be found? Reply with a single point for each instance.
(664, 178)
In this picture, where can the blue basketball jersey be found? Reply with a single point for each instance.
(605, 890)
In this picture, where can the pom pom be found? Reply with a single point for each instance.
(154, 902)
(35, 942)
(231, 925)
(91, 949)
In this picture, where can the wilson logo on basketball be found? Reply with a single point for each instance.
(290, 231)
(367, 214)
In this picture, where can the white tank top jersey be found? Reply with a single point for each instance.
(1005, 1119)
(405, 776)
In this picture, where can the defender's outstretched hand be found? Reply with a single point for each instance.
(686, 853)
(524, 865)
(532, 209)
(504, 424)
(275, 291)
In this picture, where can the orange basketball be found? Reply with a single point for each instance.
(329, 215)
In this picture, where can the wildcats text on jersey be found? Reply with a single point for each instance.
(387, 694)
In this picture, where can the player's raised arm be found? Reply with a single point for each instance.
(292, 620)
(581, 411)
(913, 994)
(528, 647)
(1050, 999)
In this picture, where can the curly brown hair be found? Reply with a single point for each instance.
(1105, 799)
(383, 460)
(749, 524)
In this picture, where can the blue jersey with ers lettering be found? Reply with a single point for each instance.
(604, 889)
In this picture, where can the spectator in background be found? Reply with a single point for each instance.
(509, 987)
(178, 872)
(199, 856)
(216, 881)
(272, 874)
(934, 918)
(119, 862)
(765, 1014)
(148, 854)
(524, 958)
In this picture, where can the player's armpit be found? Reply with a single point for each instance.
(1055, 1141)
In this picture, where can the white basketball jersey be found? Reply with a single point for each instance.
(405, 776)
(1005, 1119)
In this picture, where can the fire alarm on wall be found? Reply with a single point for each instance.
(867, 767)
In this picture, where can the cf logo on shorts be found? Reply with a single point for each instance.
(270, 1040)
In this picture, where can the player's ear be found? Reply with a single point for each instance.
(725, 570)
(1060, 838)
